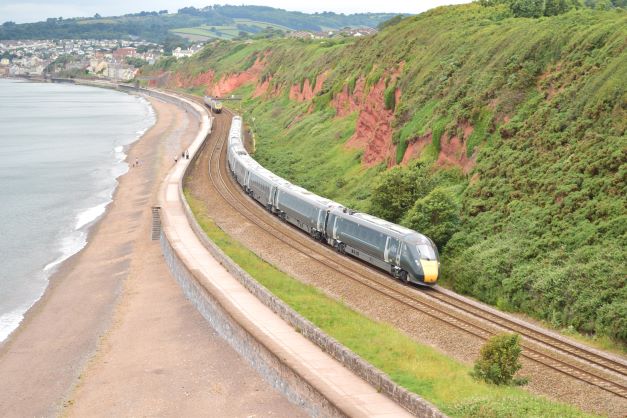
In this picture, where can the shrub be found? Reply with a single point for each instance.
(390, 97)
(436, 215)
(393, 194)
(498, 361)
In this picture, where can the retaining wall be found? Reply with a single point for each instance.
(243, 339)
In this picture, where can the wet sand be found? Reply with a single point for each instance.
(114, 335)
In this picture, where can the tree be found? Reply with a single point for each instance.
(393, 194)
(557, 7)
(527, 8)
(390, 22)
(435, 215)
(498, 361)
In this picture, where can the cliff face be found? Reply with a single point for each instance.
(373, 132)
(213, 86)
(307, 92)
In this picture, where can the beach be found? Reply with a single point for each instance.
(113, 333)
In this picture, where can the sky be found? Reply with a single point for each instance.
(24, 11)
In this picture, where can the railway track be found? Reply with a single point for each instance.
(606, 372)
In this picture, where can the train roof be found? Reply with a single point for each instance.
(261, 171)
(306, 194)
(381, 224)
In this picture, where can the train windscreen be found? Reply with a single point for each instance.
(426, 252)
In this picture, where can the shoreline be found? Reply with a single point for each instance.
(55, 269)
(114, 335)
(82, 230)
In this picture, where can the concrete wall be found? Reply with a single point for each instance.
(269, 366)
(243, 340)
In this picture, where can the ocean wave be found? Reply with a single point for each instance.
(70, 245)
(10, 321)
(90, 215)
(120, 155)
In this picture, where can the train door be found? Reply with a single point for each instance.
(320, 223)
(246, 178)
(273, 195)
(399, 250)
(335, 227)
(391, 250)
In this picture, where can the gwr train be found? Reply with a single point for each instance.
(213, 104)
(406, 254)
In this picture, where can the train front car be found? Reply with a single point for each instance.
(419, 258)
(216, 106)
(404, 253)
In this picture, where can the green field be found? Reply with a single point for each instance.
(227, 32)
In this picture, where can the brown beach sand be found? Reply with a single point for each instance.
(114, 335)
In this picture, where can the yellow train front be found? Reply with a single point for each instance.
(216, 106)
(213, 104)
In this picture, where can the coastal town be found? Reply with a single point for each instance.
(108, 59)
(117, 60)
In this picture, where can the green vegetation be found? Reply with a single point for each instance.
(538, 8)
(238, 29)
(538, 105)
(154, 26)
(498, 361)
(420, 369)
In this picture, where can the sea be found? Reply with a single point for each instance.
(62, 147)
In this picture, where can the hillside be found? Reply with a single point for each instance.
(222, 22)
(501, 137)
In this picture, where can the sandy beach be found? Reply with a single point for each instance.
(113, 335)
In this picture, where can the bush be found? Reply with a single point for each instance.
(390, 97)
(393, 194)
(498, 362)
(436, 215)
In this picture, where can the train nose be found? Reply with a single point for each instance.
(430, 270)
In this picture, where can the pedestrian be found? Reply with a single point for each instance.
(176, 159)
(136, 162)
(183, 154)
(188, 155)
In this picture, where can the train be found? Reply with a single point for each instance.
(404, 253)
(214, 104)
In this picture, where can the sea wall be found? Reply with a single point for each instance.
(249, 342)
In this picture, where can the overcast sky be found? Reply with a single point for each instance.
(22, 11)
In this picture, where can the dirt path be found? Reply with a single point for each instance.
(114, 335)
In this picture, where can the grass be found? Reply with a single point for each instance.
(261, 25)
(419, 368)
(227, 32)
(202, 31)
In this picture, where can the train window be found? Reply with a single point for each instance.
(426, 252)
